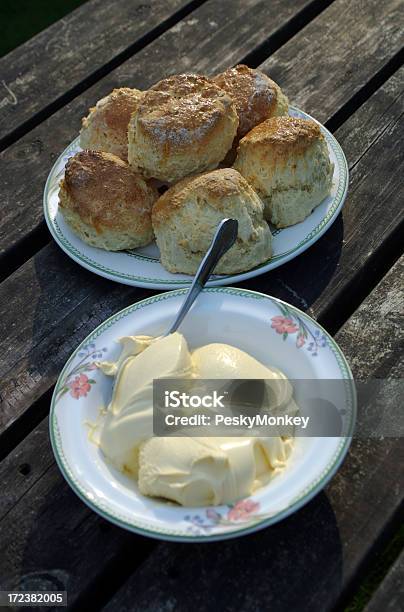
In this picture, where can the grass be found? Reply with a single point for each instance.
(22, 19)
(377, 572)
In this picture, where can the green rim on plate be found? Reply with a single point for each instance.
(139, 526)
(103, 270)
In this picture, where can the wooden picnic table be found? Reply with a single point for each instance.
(341, 62)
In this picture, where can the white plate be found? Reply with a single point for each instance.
(142, 268)
(244, 319)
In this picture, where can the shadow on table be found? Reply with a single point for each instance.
(301, 281)
(280, 566)
(68, 306)
(85, 300)
(62, 544)
(293, 565)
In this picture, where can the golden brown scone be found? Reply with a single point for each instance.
(186, 217)
(105, 202)
(183, 125)
(255, 95)
(286, 161)
(106, 126)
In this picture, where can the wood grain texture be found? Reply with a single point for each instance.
(59, 543)
(216, 35)
(329, 539)
(59, 303)
(49, 304)
(187, 46)
(71, 51)
(389, 596)
(343, 48)
(352, 252)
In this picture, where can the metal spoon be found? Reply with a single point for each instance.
(223, 239)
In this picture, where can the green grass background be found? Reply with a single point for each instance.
(22, 19)
(376, 572)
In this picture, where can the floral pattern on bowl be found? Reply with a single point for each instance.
(244, 511)
(75, 381)
(290, 323)
(116, 499)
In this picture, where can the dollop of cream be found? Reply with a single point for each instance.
(192, 471)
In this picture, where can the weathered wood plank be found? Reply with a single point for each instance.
(224, 19)
(61, 559)
(216, 35)
(30, 462)
(60, 303)
(353, 251)
(327, 540)
(344, 48)
(389, 596)
(73, 51)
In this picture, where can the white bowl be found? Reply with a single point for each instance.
(238, 317)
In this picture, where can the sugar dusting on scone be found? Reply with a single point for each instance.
(183, 125)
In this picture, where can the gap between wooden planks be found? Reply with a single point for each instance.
(61, 303)
(96, 38)
(55, 65)
(390, 593)
(353, 31)
(330, 540)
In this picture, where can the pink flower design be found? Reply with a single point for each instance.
(242, 510)
(283, 325)
(79, 386)
(300, 341)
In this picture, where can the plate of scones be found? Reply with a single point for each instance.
(138, 195)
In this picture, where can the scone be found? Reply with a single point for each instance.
(186, 217)
(106, 126)
(183, 125)
(286, 161)
(105, 202)
(255, 95)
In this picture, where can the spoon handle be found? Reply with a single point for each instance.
(224, 238)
